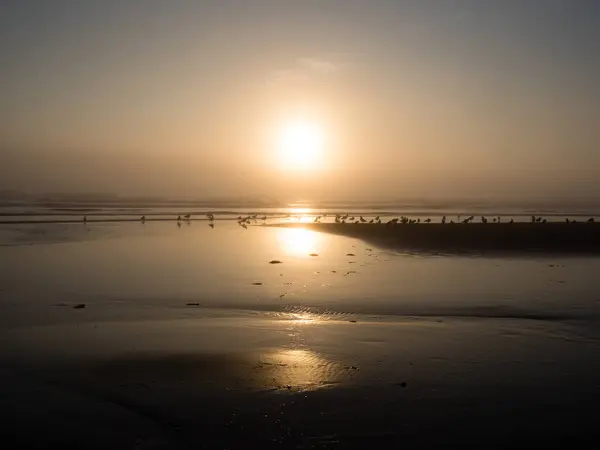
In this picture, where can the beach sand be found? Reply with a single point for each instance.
(499, 238)
(300, 381)
(188, 338)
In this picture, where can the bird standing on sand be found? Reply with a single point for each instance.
(143, 218)
(212, 225)
(427, 220)
(85, 218)
(178, 217)
(591, 220)
(187, 217)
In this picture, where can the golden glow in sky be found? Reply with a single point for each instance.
(300, 146)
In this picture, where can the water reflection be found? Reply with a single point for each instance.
(303, 318)
(299, 210)
(302, 369)
(299, 242)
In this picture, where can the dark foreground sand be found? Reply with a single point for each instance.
(299, 381)
(579, 238)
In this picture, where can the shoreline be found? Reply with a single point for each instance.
(518, 237)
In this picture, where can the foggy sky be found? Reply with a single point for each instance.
(417, 98)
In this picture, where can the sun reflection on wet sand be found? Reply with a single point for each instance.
(301, 369)
(299, 242)
(303, 318)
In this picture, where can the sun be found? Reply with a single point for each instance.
(300, 145)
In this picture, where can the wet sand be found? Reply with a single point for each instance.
(576, 238)
(300, 382)
(189, 338)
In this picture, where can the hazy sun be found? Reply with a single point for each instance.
(300, 145)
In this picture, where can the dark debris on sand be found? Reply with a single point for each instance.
(193, 304)
(257, 284)
(79, 306)
(275, 261)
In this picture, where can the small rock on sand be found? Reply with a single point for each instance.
(352, 321)
(350, 254)
(275, 261)
(79, 306)
(256, 284)
(193, 304)
(314, 254)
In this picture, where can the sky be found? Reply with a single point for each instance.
(409, 99)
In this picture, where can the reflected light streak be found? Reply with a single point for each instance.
(299, 242)
(303, 318)
(297, 210)
(304, 369)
